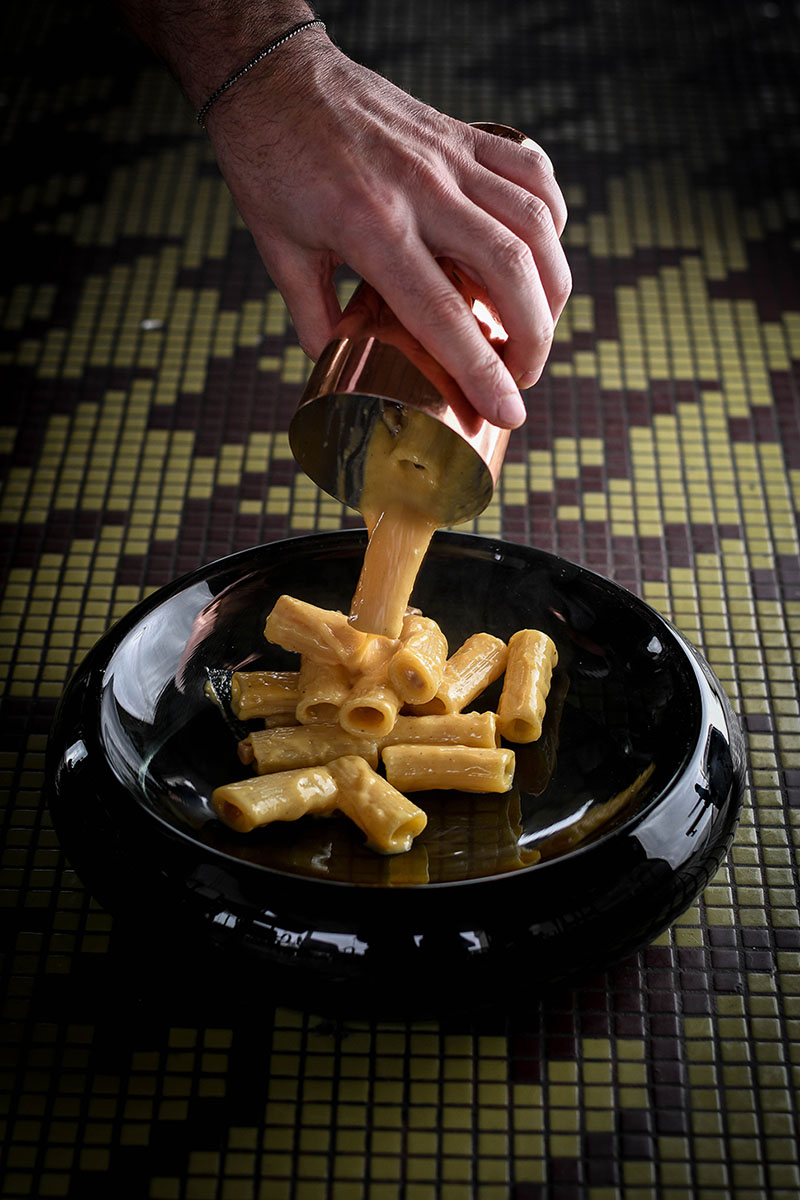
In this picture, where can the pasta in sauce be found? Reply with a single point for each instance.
(353, 742)
(375, 709)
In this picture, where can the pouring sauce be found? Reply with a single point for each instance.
(408, 490)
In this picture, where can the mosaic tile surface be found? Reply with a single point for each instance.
(149, 371)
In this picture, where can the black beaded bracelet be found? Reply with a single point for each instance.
(237, 75)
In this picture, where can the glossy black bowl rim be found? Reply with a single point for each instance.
(98, 658)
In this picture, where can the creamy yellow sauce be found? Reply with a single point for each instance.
(405, 490)
(396, 548)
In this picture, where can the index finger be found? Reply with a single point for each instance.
(427, 303)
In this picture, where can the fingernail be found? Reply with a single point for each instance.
(527, 380)
(511, 410)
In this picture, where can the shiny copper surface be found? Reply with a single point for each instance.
(374, 367)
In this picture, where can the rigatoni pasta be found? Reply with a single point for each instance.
(450, 729)
(420, 768)
(281, 720)
(386, 816)
(389, 819)
(348, 719)
(324, 635)
(263, 693)
(532, 657)
(371, 706)
(270, 750)
(250, 803)
(323, 688)
(376, 710)
(416, 669)
(479, 661)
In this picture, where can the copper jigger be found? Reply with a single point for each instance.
(375, 372)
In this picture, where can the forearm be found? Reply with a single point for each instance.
(205, 41)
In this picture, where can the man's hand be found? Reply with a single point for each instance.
(329, 163)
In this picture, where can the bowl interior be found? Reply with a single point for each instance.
(624, 705)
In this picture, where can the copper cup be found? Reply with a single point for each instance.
(374, 371)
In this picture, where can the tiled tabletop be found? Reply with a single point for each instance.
(149, 371)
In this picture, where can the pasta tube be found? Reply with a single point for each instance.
(388, 818)
(529, 671)
(324, 635)
(416, 768)
(323, 689)
(286, 796)
(460, 729)
(477, 663)
(280, 720)
(273, 750)
(371, 707)
(262, 693)
(416, 669)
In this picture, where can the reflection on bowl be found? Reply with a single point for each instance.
(619, 816)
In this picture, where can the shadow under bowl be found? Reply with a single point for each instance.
(619, 816)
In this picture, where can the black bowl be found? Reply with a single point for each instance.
(306, 909)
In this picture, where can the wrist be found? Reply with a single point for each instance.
(204, 42)
(272, 88)
(252, 64)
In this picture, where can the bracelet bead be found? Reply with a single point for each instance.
(248, 66)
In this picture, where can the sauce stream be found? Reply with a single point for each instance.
(406, 479)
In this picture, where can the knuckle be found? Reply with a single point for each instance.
(430, 179)
(424, 166)
(487, 372)
(372, 219)
(544, 331)
(369, 209)
(540, 157)
(512, 255)
(442, 310)
(544, 218)
(561, 286)
(537, 215)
